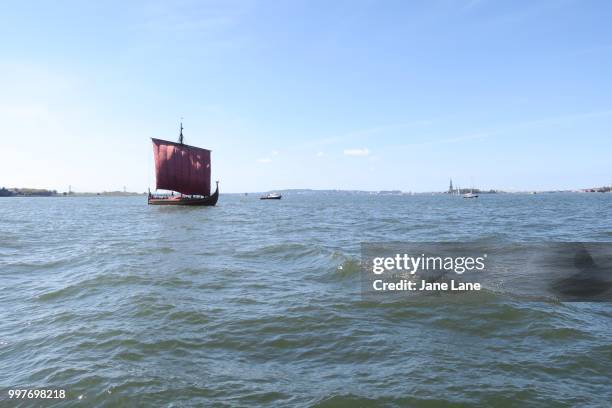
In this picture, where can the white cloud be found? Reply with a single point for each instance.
(320, 154)
(357, 152)
(265, 160)
(274, 152)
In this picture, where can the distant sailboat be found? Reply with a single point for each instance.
(184, 169)
(470, 194)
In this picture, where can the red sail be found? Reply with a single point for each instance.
(182, 168)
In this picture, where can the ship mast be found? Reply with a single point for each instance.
(181, 135)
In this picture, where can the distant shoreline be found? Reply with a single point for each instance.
(39, 192)
(404, 193)
(31, 192)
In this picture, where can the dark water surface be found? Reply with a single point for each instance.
(257, 303)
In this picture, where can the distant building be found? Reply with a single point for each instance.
(450, 187)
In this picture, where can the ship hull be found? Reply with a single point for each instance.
(185, 200)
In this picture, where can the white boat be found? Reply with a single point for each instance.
(271, 196)
(470, 195)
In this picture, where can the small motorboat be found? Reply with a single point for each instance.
(470, 195)
(271, 196)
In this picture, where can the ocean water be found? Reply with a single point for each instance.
(257, 303)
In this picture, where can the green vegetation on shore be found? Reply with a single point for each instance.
(26, 192)
(41, 192)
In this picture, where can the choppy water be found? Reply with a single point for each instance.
(244, 304)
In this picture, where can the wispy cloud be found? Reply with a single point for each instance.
(521, 13)
(563, 119)
(511, 127)
(320, 154)
(212, 25)
(372, 131)
(473, 3)
(363, 133)
(192, 16)
(448, 140)
(268, 159)
(357, 152)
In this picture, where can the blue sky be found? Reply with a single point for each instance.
(316, 94)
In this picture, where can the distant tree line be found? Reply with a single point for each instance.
(26, 192)
(605, 189)
(6, 193)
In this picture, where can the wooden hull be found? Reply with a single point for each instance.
(185, 200)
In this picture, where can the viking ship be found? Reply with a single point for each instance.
(184, 170)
